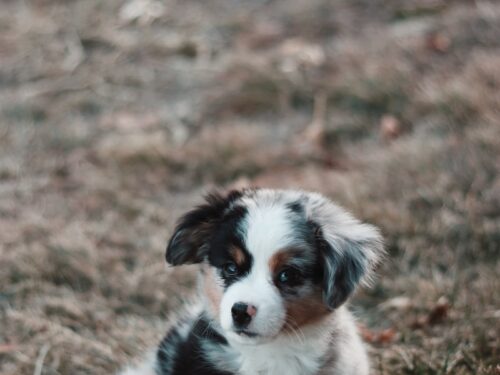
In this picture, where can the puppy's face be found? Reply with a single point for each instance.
(274, 261)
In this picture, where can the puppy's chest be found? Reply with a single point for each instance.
(276, 359)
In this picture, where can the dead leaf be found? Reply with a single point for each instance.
(438, 42)
(142, 11)
(396, 303)
(437, 315)
(7, 348)
(390, 127)
(385, 336)
(440, 311)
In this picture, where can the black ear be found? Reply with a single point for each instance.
(191, 237)
(349, 250)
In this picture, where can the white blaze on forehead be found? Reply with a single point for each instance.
(268, 229)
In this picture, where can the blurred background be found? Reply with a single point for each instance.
(116, 116)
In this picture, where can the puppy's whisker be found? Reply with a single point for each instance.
(297, 327)
(297, 332)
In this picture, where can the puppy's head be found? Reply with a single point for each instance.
(274, 260)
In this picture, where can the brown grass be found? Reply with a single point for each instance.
(112, 123)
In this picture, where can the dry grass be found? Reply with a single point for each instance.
(115, 118)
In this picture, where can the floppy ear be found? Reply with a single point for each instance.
(190, 240)
(349, 249)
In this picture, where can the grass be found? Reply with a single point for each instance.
(99, 157)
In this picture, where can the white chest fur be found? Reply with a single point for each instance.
(267, 360)
(298, 354)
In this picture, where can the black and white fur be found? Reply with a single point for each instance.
(277, 267)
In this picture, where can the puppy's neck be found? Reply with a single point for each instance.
(300, 352)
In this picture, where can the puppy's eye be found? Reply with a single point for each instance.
(289, 277)
(230, 269)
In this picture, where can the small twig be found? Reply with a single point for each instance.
(407, 360)
(41, 357)
(319, 111)
(315, 131)
(50, 87)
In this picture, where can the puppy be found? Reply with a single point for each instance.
(277, 267)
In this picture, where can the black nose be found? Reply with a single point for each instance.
(241, 318)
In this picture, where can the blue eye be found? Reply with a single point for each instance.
(230, 269)
(283, 277)
(289, 276)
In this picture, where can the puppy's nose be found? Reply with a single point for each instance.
(243, 314)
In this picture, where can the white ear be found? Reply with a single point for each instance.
(349, 248)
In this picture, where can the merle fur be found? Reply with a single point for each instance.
(207, 233)
(341, 273)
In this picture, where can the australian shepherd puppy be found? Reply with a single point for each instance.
(277, 267)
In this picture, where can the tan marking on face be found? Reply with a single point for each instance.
(213, 290)
(238, 255)
(279, 259)
(304, 311)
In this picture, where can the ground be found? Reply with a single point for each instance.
(116, 116)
